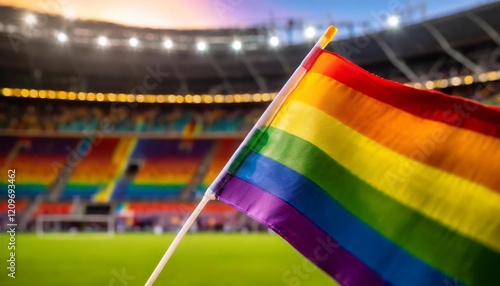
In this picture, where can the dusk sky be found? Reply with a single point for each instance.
(206, 14)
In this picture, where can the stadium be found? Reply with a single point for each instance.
(112, 133)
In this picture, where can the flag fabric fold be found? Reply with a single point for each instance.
(375, 182)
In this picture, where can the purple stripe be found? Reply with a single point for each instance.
(300, 232)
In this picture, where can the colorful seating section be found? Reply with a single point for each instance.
(155, 208)
(166, 167)
(37, 162)
(59, 208)
(19, 207)
(130, 209)
(6, 146)
(226, 149)
(96, 169)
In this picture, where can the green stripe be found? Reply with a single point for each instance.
(246, 150)
(439, 246)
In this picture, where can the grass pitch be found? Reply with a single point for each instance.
(129, 259)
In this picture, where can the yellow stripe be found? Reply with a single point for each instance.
(475, 155)
(469, 208)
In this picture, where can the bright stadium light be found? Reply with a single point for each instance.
(30, 19)
(274, 41)
(133, 42)
(236, 45)
(310, 32)
(62, 37)
(102, 41)
(201, 46)
(393, 21)
(168, 44)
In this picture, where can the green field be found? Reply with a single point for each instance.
(129, 259)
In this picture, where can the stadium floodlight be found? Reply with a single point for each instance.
(102, 41)
(274, 41)
(310, 32)
(393, 21)
(168, 44)
(30, 19)
(201, 46)
(236, 45)
(133, 42)
(62, 37)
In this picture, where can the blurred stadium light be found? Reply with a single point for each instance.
(393, 21)
(201, 46)
(274, 41)
(236, 45)
(30, 19)
(310, 32)
(102, 41)
(62, 37)
(133, 42)
(168, 44)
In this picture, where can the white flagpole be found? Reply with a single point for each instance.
(210, 194)
(275, 104)
(206, 198)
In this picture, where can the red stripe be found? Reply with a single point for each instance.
(428, 104)
(311, 58)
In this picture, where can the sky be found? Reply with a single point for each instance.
(211, 14)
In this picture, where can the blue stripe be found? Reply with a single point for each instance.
(390, 261)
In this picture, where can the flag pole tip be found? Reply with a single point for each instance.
(330, 32)
(327, 36)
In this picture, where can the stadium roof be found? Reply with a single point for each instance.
(34, 59)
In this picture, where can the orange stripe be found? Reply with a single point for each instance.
(475, 156)
(429, 104)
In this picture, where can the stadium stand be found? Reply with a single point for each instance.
(59, 208)
(165, 168)
(40, 115)
(224, 152)
(150, 208)
(151, 128)
(95, 171)
(40, 159)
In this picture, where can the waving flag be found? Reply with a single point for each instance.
(375, 182)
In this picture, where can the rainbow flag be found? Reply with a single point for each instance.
(375, 182)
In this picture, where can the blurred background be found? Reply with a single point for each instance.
(116, 115)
